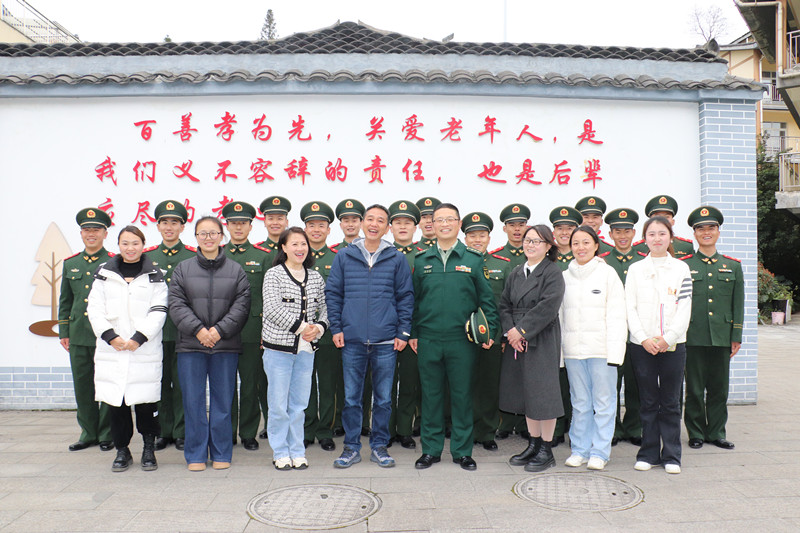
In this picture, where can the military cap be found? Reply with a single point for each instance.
(238, 211)
(316, 211)
(349, 207)
(661, 203)
(705, 214)
(591, 204)
(402, 208)
(566, 215)
(476, 221)
(513, 212)
(93, 217)
(477, 327)
(275, 204)
(171, 209)
(622, 218)
(427, 205)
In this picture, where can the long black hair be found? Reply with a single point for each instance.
(280, 257)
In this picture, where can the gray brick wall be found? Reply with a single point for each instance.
(36, 388)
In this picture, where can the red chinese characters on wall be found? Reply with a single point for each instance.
(143, 214)
(297, 130)
(147, 131)
(145, 170)
(336, 171)
(184, 170)
(225, 126)
(186, 130)
(375, 128)
(411, 128)
(108, 207)
(416, 172)
(262, 131)
(375, 169)
(298, 168)
(259, 169)
(491, 171)
(105, 170)
(222, 171)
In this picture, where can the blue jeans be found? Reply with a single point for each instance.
(289, 377)
(210, 433)
(593, 391)
(381, 358)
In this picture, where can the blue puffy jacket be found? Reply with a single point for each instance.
(370, 304)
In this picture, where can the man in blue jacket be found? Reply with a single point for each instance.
(370, 299)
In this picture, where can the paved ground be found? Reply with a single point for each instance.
(44, 487)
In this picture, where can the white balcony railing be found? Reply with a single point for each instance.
(789, 172)
(27, 20)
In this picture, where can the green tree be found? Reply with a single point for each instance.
(269, 29)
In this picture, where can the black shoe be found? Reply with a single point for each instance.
(525, 434)
(180, 443)
(615, 441)
(636, 441)
(426, 461)
(149, 462)
(447, 433)
(490, 445)
(250, 444)
(327, 444)
(695, 443)
(307, 442)
(466, 462)
(106, 445)
(722, 443)
(235, 441)
(415, 432)
(365, 432)
(123, 460)
(501, 434)
(542, 460)
(557, 441)
(534, 443)
(81, 445)
(263, 435)
(163, 442)
(338, 432)
(407, 442)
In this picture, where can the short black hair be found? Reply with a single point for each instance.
(447, 206)
(131, 229)
(377, 206)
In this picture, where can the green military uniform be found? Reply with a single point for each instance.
(594, 205)
(565, 215)
(446, 293)
(629, 426)
(254, 260)
(426, 205)
(73, 324)
(717, 316)
(682, 247)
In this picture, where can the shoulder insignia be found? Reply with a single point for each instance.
(422, 250)
(333, 248)
(474, 251)
(415, 242)
(73, 255)
(637, 243)
(190, 248)
(683, 239)
(601, 239)
(685, 257)
(604, 254)
(642, 254)
(731, 258)
(500, 257)
(262, 249)
(497, 250)
(111, 254)
(150, 249)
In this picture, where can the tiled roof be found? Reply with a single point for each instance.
(357, 38)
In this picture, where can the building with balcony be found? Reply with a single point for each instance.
(20, 22)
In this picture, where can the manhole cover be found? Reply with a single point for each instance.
(579, 492)
(313, 506)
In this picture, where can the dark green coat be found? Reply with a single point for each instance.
(410, 252)
(717, 300)
(515, 255)
(76, 282)
(166, 259)
(497, 269)
(621, 262)
(563, 260)
(255, 261)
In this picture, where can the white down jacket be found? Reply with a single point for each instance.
(135, 308)
(592, 314)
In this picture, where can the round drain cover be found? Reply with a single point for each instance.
(313, 506)
(579, 492)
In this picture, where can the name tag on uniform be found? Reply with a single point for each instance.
(463, 268)
(725, 270)
(74, 270)
(328, 267)
(427, 269)
(694, 272)
(252, 263)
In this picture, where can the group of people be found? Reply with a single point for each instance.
(440, 337)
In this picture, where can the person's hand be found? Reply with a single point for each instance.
(735, 348)
(215, 336)
(204, 336)
(310, 333)
(399, 344)
(518, 345)
(131, 345)
(487, 345)
(413, 344)
(64, 343)
(514, 336)
(650, 344)
(118, 343)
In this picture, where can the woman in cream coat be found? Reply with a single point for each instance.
(127, 308)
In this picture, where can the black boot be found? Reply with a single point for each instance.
(149, 453)
(123, 460)
(542, 460)
(534, 443)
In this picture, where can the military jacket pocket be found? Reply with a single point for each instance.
(725, 282)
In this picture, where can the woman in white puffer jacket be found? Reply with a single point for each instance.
(594, 332)
(127, 308)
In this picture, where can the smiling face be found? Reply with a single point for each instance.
(296, 250)
(706, 235)
(446, 225)
(534, 246)
(562, 232)
(275, 224)
(93, 238)
(593, 220)
(239, 230)
(170, 229)
(130, 247)
(623, 238)
(403, 229)
(375, 225)
(317, 231)
(426, 226)
(583, 247)
(478, 239)
(351, 225)
(209, 236)
(515, 230)
(658, 238)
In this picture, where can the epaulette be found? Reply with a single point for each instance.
(190, 248)
(73, 255)
(641, 253)
(604, 254)
(685, 257)
(111, 254)
(415, 242)
(333, 248)
(474, 251)
(602, 239)
(500, 257)
(262, 249)
(422, 250)
(731, 258)
(495, 251)
(637, 243)
(151, 248)
(684, 240)
(419, 248)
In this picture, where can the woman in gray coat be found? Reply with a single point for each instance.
(529, 375)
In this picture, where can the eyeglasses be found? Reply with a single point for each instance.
(442, 220)
(208, 234)
(535, 242)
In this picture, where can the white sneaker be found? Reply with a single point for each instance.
(575, 460)
(672, 468)
(642, 466)
(299, 463)
(595, 463)
(283, 463)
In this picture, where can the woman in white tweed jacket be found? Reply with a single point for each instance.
(295, 317)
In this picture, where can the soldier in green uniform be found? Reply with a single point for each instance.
(667, 207)
(254, 260)
(449, 285)
(592, 209)
(715, 331)
(321, 411)
(426, 206)
(350, 213)
(276, 219)
(622, 221)
(564, 220)
(75, 332)
(477, 228)
(403, 219)
(171, 217)
(515, 221)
